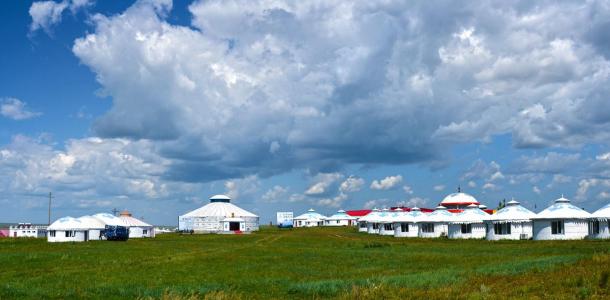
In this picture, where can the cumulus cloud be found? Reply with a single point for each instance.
(276, 194)
(323, 183)
(387, 183)
(242, 187)
(376, 203)
(15, 109)
(439, 187)
(46, 14)
(351, 184)
(407, 189)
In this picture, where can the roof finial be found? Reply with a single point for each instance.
(459, 189)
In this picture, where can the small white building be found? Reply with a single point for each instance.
(436, 223)
(67, 229)
(341, 218)
(513, 222)
(561, 221)
(385, 221)
(370, 226)
(27, 230)
(469, 224)
(215, 216)
(599, 225)
(94, 227)
(309, 219)
(406, 224)
(137, 227)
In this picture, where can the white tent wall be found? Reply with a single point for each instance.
(412, 229)
(604, 230)
(342, 222)
(214, 224)
(574, 229)
(372, 228)
(518, 231)
(440, 229)
(141, 232)
(478, 231)
(386, 229)
(60, 236)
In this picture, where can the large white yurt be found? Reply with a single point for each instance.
(599, 224)
(309, 219)
(137, 227)
(561, 221)
(436, 223)
(67, 229)
(341, 218)
(469, 224)
(94, 227)
(368, 221)
(459, 200)
(512, 222)
(386, 222)
(407, 223)
(218, 216)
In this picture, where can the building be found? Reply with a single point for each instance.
(406, 224)
(459, 201)
(309, 219)
(370, 220)
(137, 227)
(561, 221)
(436, 223)
(341, 218)
(218, 216)
(513, 222)
(469, 224)
(67, 229)
(27, 230)
(385, 221)
(599, 225)
(94, 227)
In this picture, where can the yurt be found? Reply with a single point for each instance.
(436, 223)
(214, 216)
(341, 218)
(137, 227)
(459, 200)
(386, 222)
(67, 229)
(407, 224)
(94, 227)
(309, 219)
(599, 225)
(368, 221)
(561, 221)
(513, 222)
(469, 224)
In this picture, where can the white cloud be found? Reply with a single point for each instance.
(376, 203)
(323, 183)
(414, 202)
(536, 190)
(490, 186)
(15, 109)
(334, 202)
(407, 189)
(238, 188)
(604, 195)
(472, 184)
(439, 187)
(46, 14)
(351, 184)
(275, 194)
(387, 183)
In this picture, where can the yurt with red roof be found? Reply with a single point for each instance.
(459, 200)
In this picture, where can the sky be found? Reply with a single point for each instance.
(153, 106)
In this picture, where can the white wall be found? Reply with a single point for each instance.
(371, 230)
(516, 230)
(413, 230)
(362, 229)
(478, 231)
(574, 229)
(343, 222)
(382, 230)
(136, 232)
(27, 232)
(60, 236)
(213, 224)
(604, 231)
(440, 229)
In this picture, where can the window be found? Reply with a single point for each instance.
(144, 231)
(70, 233)
(502, 229)
(52, 233)
(594, 227)
(362, 225)
(387, 226)
(427, 227)
(375, 226)
(466, 228)
(337, 221)
(404, 227)
(557, 227)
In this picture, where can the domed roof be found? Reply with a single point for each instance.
(440, 214)
(415, 215)
(563, 209)
(459, 198)
(341, 215)
(90, 222)
(311, 215)
(110, 219)
(219, 206)
(513, 212)
(472, 214)
(602, 213)
(67, 223)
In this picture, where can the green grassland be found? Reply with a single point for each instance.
(303, 263)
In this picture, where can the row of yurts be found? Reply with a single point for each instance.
(461, 216)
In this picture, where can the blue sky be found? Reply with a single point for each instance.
(153, 106)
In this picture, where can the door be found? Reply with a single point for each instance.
(234, 226)
(86, 235)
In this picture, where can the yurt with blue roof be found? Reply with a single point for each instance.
(599, 225)
(368, 221)
(469, 224)
(406, 224)
(436, 223)
(309, 219)
(561, 221)
(67, 229)
(385, 220)
(512, 222)
(341, 218)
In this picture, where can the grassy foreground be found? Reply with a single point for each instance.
(303, 263)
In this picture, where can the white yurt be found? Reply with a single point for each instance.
(407, 223)
(469, 224)
(459, 200)
(599, 224)
(94, 227)
(386, 222)
(309, 219)
(561, 221)
(214, 216)
(67, 229)
(369, 220)
(341, 218)
(512, 222)
(137, 227)
(436, 223)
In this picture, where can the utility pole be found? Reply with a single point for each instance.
(115, 211)
(50, 197)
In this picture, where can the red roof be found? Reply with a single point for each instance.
(489, 211)
(358, 213)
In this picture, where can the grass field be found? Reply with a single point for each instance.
(303, 263)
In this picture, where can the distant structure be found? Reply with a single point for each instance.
(95, 227)
(340, 219)
(219, 216)
(407, 224)
(309, 219)
(469, 224)
(27, 230)
(137, 227)
(459, 200)
(513, 222)
(561, 221)
(599, 226)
